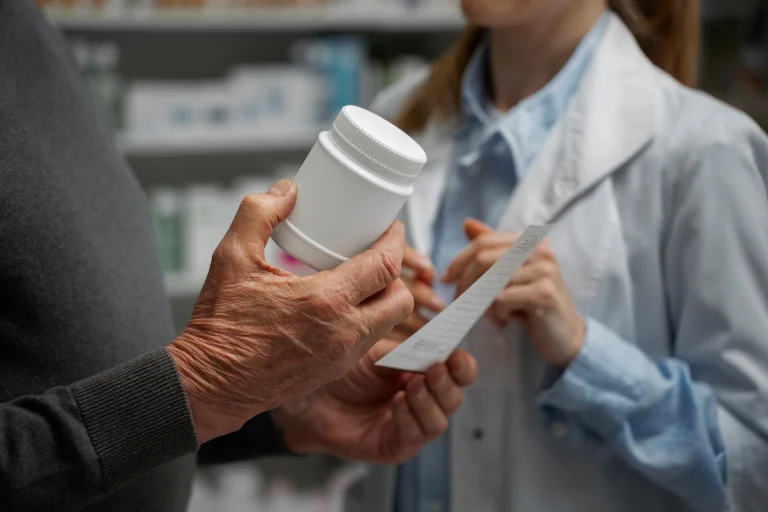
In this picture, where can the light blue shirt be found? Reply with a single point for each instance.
(491, 154)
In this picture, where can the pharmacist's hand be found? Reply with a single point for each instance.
(418, 276)
(260, 336)
(537, 295)
(485, 248)
(377, 414)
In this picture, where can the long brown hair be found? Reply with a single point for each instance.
(667, 31)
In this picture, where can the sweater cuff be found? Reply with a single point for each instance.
(137, 417)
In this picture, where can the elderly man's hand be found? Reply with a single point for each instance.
(260, 336)
(376, 414)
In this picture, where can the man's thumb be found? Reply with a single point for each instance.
(259, 214)
(473, 228)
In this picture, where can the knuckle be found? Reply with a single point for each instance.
(550, 268)
(404, 301)
(439, 426)
(456, 405)
(485, 259)
(547, 291)
(225, 251)
(252, 203)
(327, 304)
(390, 266)
(545, 250)
(485, 241)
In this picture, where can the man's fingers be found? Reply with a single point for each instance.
(462, 367)
(370, 272)
(382, 312)
(430, 416)
(447, 392)
(410, 435)
(259, 214)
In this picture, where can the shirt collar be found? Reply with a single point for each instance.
(553, 98)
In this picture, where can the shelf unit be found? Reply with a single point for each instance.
(215, 142)
(264, 19)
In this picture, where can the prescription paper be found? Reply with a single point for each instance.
(434, 342)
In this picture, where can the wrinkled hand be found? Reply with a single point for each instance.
(537, 296)
(260, 336)
(377, 414)
(418, 275)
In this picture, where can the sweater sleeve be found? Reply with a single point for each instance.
(72, 445)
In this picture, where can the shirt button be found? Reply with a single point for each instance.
(434, 506)
(498, 148)
(478, 434)
(558, 429)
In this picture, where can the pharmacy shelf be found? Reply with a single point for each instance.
(262, 19)
(222, 142)
(182, 287)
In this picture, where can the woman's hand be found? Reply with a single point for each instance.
(537, 296)
(418, 275)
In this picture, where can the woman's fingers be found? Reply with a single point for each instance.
(425, 297)
(413, 323)
(418, 265)
(398, 334)
(486, 242)
(478, 266)
(539, 295)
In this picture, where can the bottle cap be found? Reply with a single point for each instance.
(377, 145)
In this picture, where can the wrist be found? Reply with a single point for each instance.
(575, 345)
(297, 434)
(209, 422)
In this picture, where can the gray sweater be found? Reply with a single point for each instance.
(92, 413)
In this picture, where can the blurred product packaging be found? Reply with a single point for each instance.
(190, 222)
(99, 62)
(340, 62)
(330, 73)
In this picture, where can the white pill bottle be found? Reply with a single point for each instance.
(351, 187)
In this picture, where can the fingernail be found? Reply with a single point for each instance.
(458, 365)
(442, 380)
(421, 391)
(424, 262)
(281, 188)
(437, 303)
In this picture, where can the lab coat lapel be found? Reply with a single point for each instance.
(610, 120)
(422, 208)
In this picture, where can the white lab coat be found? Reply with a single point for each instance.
(645, 182)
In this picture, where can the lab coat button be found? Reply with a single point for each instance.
(558, 429)
(478, 434)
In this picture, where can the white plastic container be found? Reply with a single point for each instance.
(352, 186)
